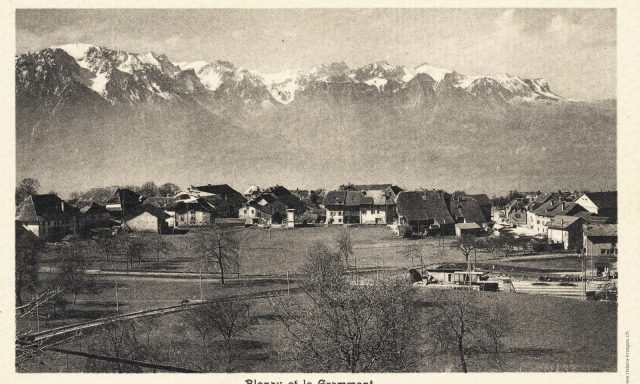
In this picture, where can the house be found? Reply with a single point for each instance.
(285, 196)
(543, 215)
(234, 198)
(167, 204)
(93, 215)
(600, 239)
(221, 206)
(115, 200)
(485, 204)
(380, 209)
(600, 203)
(472, 229)
(537, 202)
(424, 211)
(48, 215)
(146, 218)
(343, 206)
(467, 210)
(264, 209)
(193, 213)
(565, 230)
(516, 212)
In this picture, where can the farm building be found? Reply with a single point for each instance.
(600, 239)
(467, 210)
(233, 198)
(193, 213)
(146, 218)
(600, 203)
(48, 215)
(467, 229)
(114, 199)
(424, 211)
(485, 204)
(94, 215)
(565, 230)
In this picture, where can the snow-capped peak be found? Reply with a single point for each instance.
(435, 73)
(76, 50)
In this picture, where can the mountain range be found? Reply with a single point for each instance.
(88, 115)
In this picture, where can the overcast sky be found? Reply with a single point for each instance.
(574, 49)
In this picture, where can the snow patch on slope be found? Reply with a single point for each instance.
(377, 82)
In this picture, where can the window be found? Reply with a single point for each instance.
(603, 251)
(339, 220)
(245, 210)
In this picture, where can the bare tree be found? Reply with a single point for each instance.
(461, 326)
(133, 248)
(25, 188)
(28, 249)
(352, 328)
(149, 189)
(117, 339)
(344, 245)
(466, 244)
(160, 246)
(71, 276)
(217, 249)
(168, 189)
(323, 268)
(106, 243)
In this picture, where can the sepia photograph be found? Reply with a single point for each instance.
(316, 190)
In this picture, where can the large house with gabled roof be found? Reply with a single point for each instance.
(424, 211)
(48, 215)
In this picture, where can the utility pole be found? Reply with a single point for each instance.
(117, 303)
(584, 275)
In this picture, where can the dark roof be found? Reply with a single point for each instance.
(137, 211)
(90, 207)
(469, 209)
(285, 196)
(225, 191)
(45, 207)
(110, 195)
(347, 198)
(600, 230)
(563, 222)
(200, 205)
(468, 226)
(370, 187)
(423, 206)
(554, 208)
(604, 200)
(591, 218)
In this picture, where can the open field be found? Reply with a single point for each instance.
(550, 334)
(273, 252)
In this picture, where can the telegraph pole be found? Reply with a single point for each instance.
(117, 303)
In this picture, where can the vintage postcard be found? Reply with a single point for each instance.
(298, 193)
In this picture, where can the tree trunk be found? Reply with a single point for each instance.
(75, 296)
(463, 362)
(221, 273)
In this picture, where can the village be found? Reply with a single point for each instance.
(122, 252)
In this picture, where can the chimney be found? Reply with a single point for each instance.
(62, 205)
(563, 207)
